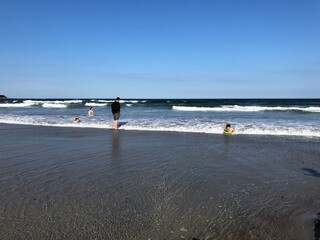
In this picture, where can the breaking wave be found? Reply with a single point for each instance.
(236, 108)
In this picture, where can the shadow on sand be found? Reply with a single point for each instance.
(311, 172)
(121, 124)
(317, 228)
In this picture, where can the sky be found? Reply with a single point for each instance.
(160, 49)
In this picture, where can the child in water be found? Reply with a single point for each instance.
(229, 129)
(76, 120)
(90, 112)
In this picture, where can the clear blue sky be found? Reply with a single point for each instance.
(160, 49)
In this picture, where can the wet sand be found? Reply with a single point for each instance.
(73, 183)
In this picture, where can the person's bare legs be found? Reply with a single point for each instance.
(115, 124)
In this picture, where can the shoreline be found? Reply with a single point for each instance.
(73, 125)
(86, 183)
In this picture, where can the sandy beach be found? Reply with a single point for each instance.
(76, 183)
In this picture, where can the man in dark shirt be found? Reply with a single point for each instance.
(115, 108)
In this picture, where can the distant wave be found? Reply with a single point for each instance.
(54, 105)
(45, 104)
(96, 104)
(37, 102)
(129, 101)
(236, 108)
(63, 103)
(15, 105)
(104, 101)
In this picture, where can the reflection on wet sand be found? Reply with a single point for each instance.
(115, 145)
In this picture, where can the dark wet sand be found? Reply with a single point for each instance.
(72, 183)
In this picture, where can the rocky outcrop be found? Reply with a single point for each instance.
(3, 97)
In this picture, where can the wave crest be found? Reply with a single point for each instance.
(236, 108)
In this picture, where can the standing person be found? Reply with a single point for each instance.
(115, 108)
(90, 112)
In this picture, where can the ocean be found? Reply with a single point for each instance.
(85, 181)
(287, 117)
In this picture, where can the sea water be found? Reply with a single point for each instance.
(295, 117)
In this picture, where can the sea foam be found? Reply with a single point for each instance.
(236, 108)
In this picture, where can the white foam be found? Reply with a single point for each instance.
(69, 101)
(105, 101)
(312, 109)
(54, 105)
(219, 130)
(281, 127)
(236, 108)
(30, 103)
(43, 103)
(15, 105)
(40, 121)
(129, 101)
(308, 131)
(96, 104)
(40, 102)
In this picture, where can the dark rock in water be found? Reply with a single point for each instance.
(3, 97)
